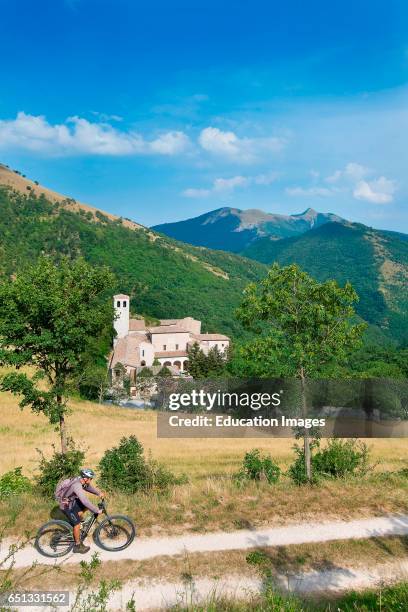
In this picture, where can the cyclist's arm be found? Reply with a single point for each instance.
(90, 489)
(79, 492)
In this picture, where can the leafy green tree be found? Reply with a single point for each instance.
(48, 315)
(303, 325)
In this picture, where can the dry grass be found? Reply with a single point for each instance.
(20, 183)
(210, 501)
(97, 428)
(281, 559)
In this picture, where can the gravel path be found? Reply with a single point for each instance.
(147, 548)
(160, 595)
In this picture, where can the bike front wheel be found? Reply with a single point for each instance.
(115, 533)
(54, 539)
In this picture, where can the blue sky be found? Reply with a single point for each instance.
(164, 110)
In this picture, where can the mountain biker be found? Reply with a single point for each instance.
(73, 502)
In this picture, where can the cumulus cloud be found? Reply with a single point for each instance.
(323, 192)
(228, 145)
(352, 171)
(228, 185)
(380, 191)
(80, 136)
(355, 177)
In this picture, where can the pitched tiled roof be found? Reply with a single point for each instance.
(126, 350)
(210, 337)
(137, 325)
(167, 329)
(170, 354)
(121, 296)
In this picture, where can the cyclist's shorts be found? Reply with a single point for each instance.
(72, 513)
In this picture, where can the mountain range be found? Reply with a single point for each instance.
(324, 245)
(232, 229)
(169, 278)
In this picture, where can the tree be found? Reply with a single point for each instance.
(145, 383)
(303, 326)
(49, 313)
(201, 365)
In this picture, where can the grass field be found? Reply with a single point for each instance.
(210, 500)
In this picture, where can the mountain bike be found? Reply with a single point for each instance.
(114, 533)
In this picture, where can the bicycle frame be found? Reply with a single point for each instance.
(89, 523)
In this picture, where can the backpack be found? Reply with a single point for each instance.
(61, 491)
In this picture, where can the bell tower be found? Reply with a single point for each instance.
(121, 323)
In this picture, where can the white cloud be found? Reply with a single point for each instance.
(228, 145)
(266, 179)
(354, 177)
(196, 193)
(222, 184)
(352, 171)
(227, 185)
(309, 191)
(80, 136)
(380, 191)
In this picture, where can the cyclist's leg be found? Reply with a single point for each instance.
(74, 515)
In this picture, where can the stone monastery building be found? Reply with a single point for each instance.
(137, 345)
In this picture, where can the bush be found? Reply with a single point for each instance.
(297, 471)
(256, 466)
(338, 459)
(124, 468)
(61, 465)
(164, 373)
(13, 482)
(342, 458)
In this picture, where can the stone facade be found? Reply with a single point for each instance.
(137, 345)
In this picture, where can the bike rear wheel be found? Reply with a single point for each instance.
(54, 539)
(115, 533)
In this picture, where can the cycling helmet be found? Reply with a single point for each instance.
(87, 473)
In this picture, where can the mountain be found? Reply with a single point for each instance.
(170, 279)
(166, 279)
(374, 261)
(234, 230)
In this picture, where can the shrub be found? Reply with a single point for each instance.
(256, 466)
(124, 468)
(145, 373)
(297, 471)
(59, 466)
(165, 373)
(339, 458)
(13, 482)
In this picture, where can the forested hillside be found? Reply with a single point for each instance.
(165, 278)
(375, 262)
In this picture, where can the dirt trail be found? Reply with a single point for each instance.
(160, 595)
(147, 548)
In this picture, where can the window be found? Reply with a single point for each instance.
(142, 352)
(164, 347)
(177, 347)
(118, 304)
(124, 304)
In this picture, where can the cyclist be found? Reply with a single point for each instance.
(73, 502)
